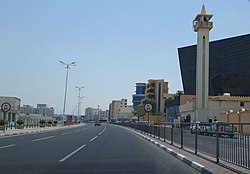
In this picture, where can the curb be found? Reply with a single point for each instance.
(28, 132)
(181, 157)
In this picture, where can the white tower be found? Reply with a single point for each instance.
(202, 26)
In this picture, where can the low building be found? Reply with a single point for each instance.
(14, 104)
(239, 118)
(41, 109)
(34, 118)
(217, 105)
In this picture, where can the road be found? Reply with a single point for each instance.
(104, 149)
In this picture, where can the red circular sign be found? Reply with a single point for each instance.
(5, 107)
(148, 107)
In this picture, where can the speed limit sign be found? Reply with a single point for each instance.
(5, 107)
(148, 107)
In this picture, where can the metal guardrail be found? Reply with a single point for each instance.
(223, 141)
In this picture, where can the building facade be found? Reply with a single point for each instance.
(104, 115)
(217, 105)
(41, 109)
(92, 113)
(27, 109)
(229, 67)
(139, 94)
(157, 90)
(11, 115)
(119, 109)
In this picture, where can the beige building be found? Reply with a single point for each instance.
(157, 90)
(217, 105)
(14, 104)
(104, 115)
(33, 118)
(241, 116)
(119, 109)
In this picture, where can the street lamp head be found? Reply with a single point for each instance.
(73, 63)
(79, 87)
(62, 62)
(68, 64)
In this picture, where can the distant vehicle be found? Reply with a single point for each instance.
(97, 123)
(210, 129)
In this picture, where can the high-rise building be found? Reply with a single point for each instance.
(139, 94)
(157, 90)
(229, 67)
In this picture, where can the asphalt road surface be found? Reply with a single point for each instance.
(105, 149)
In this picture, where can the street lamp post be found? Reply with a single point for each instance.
(67, 66)
(79, 100)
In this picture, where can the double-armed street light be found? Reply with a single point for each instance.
(67, 66)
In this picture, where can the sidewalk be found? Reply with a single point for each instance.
(10, 132)
(202, 162)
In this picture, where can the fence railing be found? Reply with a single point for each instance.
(223, 141)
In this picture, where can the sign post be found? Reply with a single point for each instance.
(148, 108)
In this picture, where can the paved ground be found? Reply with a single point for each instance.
(203, 160)
(107, 151)
(88, 149)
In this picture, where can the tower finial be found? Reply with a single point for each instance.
(203, 10)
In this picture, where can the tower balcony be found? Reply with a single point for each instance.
(199, 24)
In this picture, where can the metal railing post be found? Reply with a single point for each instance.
(159, 132)
(181, 136)
(154, 130)
(217, 143)
(164, 131)
(172, 135)
(196, 139)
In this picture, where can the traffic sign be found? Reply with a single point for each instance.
(5, 107)
(148, 107)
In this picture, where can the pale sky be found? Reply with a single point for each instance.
(115, 43)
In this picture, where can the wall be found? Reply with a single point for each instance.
(154, 118)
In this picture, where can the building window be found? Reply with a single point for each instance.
(241, 103)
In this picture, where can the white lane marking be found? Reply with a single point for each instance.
(77, 131)
(66, 133)
(102, 130)
(93, 138)
(39, 139)
(2, 147)
(72, 153)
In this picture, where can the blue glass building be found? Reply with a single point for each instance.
(229, 67)
(139, 94)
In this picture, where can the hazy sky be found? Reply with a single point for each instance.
(115, 43)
